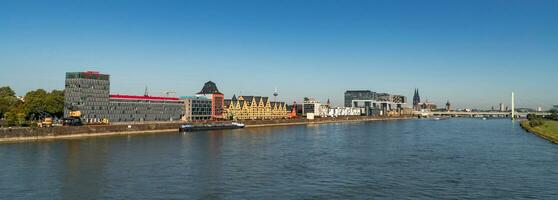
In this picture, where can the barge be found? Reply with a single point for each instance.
(209, 126)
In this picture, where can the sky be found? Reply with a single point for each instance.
(472, 53)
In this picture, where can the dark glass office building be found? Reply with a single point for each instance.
(351, 95)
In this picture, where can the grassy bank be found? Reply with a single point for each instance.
(548, 131)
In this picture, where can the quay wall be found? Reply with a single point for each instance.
(73, 130)
(58, 132)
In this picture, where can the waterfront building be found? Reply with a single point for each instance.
(297, 108)
(326, 111)
(374, 103)
(210, 91)
(311, 105)
(196, 108)
(129, 108)
(255, 108)
(427, 106)
(89, 93)
(351, 95)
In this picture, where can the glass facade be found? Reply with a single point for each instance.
(197, 108)
(351, 95)
(89, 93)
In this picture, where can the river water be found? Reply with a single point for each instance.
(409, 159)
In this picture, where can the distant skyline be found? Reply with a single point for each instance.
(472, 53)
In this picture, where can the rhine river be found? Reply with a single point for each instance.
(408, 159)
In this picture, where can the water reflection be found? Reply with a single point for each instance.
(461, 159)
(83, 169)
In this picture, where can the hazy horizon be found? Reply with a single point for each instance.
(472, 53)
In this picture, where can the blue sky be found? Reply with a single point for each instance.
(473, 53)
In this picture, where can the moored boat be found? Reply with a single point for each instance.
(209, 126)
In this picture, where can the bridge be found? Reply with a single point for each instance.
(477, 114)
(499, 114)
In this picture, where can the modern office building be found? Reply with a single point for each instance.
(89, 93)
(351, 95)
(196, 108)
(311, 105)
(210, 91)
(374, 103)
(129, 108)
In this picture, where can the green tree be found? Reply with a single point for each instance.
(15, 117)
(34, 103)
(8, 100)
(54, 103)
(554, 114)
(6, 91)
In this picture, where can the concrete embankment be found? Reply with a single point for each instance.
(49, 133)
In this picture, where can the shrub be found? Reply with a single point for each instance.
(536, 122)
(533, 117)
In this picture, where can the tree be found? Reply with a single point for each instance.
(554, 114)
(54, 103)
(8, 100)
(15, 117)
(6, 91)
(35, 103)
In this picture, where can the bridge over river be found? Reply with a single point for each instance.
(477, 114)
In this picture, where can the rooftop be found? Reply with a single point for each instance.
(123, 96)
(209, 88)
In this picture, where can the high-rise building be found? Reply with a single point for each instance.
(503, 107)
(87, 92)
(210, 91)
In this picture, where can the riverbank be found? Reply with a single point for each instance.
(548, 131)
(8, 135)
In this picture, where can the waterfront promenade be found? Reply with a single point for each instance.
(50, 133)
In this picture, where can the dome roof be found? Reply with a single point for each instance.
(209, 88)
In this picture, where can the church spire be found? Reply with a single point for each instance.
(416, 99)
